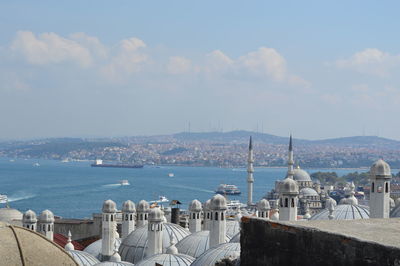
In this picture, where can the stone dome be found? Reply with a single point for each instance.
(380, 169)
(114, 263)
(83, 258)
(29, 217)
(95, 248)
(128, 206)
(46, 217)
(215, 254)
(133, 247)
(143, 206)
(235, 238)
(344, 212)
(10, 215)
(263, 205)
(218, 203)
(156, 215)
(167, 260)
(109, 206)
(195, 206)
(301, 175)
(288, 186)
(207, 205)
(308, 192)
(21, 246)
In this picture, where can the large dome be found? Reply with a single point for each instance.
(95, 248)
(235, 238)
(133, 247)
(344, 212)
(215, 254)
(167, 260)
(114, 263)
(301, 175)
(21, 246)
(308, 192)
(11, 216)
(232, 228)
(83, 258)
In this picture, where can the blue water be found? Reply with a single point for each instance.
(76, 190)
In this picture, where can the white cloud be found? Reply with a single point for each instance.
(217, 61)
(92, 43)
(178, 65)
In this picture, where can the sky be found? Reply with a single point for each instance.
(317, 69)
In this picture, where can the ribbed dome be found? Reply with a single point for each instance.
(380, 169)
(301, 175)
(235, 238)
(133, 247)
(344, 212)
(128, 206)
(29, 217)
(21, 246)
(143, 206)
(195, 206)
(167, 260)
(207, 205)
(156, 215)
(46, 217)
(95, 248)
(83, 258)
(215, 254)
(218, 202)
(109, 206)
(288, 186)
(232, 228)
(11, 216)
(395, 213)
(263, 205)
(308, 192)
(112, 263)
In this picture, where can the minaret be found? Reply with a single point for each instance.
(207, 215)
(379, 202)
(288, 199)
(250, 171)
(290, 172)
(69, 245)
(218, 224)
(128, 218)
(142, 210)
(46, 224)
(29, 220)
(155, 232)
(263, 208)
(108, 229)
(195, 216)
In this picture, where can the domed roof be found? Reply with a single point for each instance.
(218, 202)
(288, 186)
(46, 217)
(263, 205)
(207, 205)
(20, 246)
(235, 238)
(10, 215)
(344, 212)
(195, 206)
(143, 206)
(156, 215)
(113, 263)
(83, 258)
(133, 247)
(308, 192)
(380, 169)
(195, 244)
(395, 213)
(109, 206)
(167, 260)
(232, 228)
(95, 248)
(128, 206)
(29, 217)
(301, 175)
(211, 256)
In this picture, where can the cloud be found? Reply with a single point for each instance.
(178, 65)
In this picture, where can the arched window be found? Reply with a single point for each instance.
(386, 187)
(131, 217)
(112, 217)
(208, 215)
(145, 216)
(126, 217)
(286, 202)
(292, 202)
(141, 216)
(194, 216)
(222, 216)
(216, 216)
(373, 187)
(281, 202)
(106, 218)
(198, 216)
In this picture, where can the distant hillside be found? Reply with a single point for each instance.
(360, 140)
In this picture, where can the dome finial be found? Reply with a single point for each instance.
(115, 257)
(69, 245)
(172, 248)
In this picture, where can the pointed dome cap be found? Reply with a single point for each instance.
(263, 205)
(207, 205)
(109, 206)
(69, 246)
(143, 206)
(380, 169)
(172, 248)
(128, 206)
(46, 217)
(29, 217)
(288, 186)
(218, 202)
(156, 215)
(195, 206)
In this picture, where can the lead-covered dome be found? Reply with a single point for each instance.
(344, 212)
(109, 206)
(380, 169)
(128, 206)
(46, 217)
(308, 192)
(288, 186)
(95, 248)
(195, 206)
(114, 263)
(232, 228)
(167, 260)
(263, 205)
(218, 202)
(83, 258)
(143, 206)
(215, 254)
(29, 217)
(10, 215)
(235, 238)
(301, 175)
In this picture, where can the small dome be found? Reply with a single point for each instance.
(195, 244)
(263, 205)
(83, 258)
(128, 206)
(207, 205)
(235, 238)
(218, 202)
(113, 263)
(288, 186)
(380, 169)
(167, 260)
(308, 192)
(10, 215)
(46, 217)
(143, 206)
(29, 217)
(109, 206)
(232, 228)
(156, 215)
(95, 248)
(344, 212)
(195, 206)
(215, 254)
(301, 175)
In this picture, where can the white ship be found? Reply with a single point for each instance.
(226, 189)
(124, 182)
(3, 198)
(161, 199)
(171, 175)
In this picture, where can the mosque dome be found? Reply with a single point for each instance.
(83, 258)
(167, 260)
(21, 246)
(10, 215)
(215, 254)
(46, 217)
(235, 238)
(380, 169)
(95, 248)
(288, 186)
(128, 206)
(114, 263)
(301, 175)
(156, 215)
(29, 217)
(195, 206)
(109, 206)
(143, 206)
(207, 205)
(344, 212)
(263, 205)
(308, 192)
(218, 202)
(133, 247)
(232, 228)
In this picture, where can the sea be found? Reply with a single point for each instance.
(76, 190)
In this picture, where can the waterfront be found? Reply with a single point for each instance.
(76, 190)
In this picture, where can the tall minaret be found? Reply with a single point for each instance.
(108, 229)
(218, 224)
(46, 224)
(155, 232)
(250, 171)
(29, 220)
(142, 210)
(195, 216)
(379, 202)
(128, 218)
(290, 172)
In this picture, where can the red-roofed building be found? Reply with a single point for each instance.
(62, 240)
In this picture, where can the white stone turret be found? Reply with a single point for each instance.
(142, 210)
(218, 224)
(379, 202)
(195, 216)
(128, 218)
(69, 245)
(207, 215)
(29, 220)
(46, 224)
(108, 229)
(263, 208)
(288, 199)
(155, 232)
(250, 171)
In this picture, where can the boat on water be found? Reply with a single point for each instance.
(161, 199)
(226, 189)
(124, 182)
(36, 164)
(99, 163)
(171, 175)
(3, 198)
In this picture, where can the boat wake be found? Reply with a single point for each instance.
(111, 185)
(193, 188)
(21, 196)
